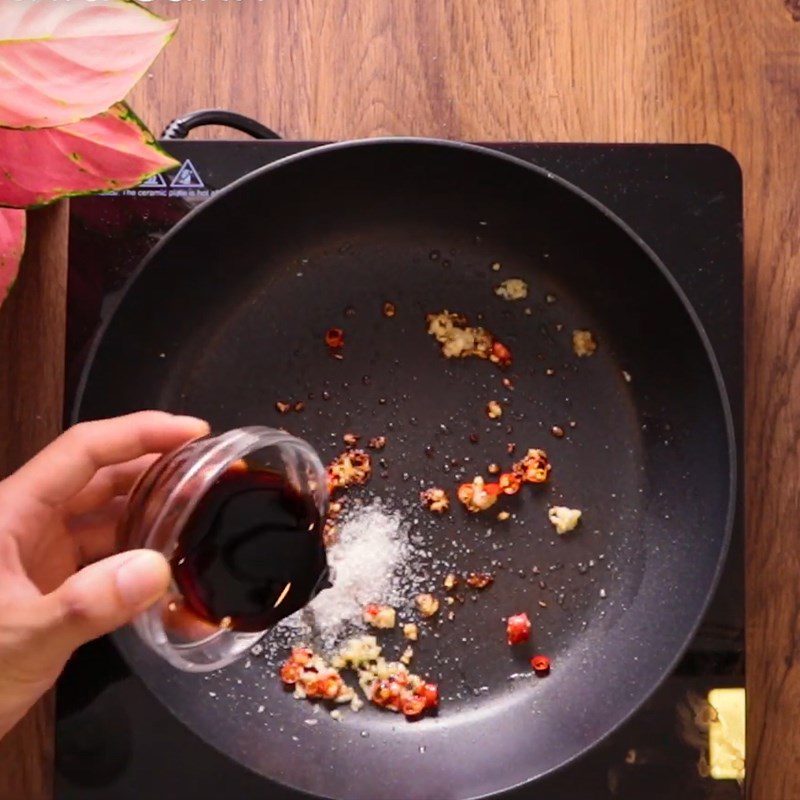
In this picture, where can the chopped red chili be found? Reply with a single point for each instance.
(518, 628)
(541, 665)
(534, 468)
(394, 692)
(334, 338)
(430, 691)
(290, 672)
(326, 687)
(509, 483)
(479, 580)
(501, 355)
(302, 655)
(293, 666)
(412, 705)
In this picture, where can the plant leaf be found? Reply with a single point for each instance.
(62, 62)
(12, 243)
(110, 151)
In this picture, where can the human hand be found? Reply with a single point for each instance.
(60, 584)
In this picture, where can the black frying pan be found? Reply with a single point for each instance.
(228, 314)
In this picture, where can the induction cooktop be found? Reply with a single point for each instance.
(115, 740)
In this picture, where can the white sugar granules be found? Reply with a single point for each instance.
(370, 563)
(364, 564)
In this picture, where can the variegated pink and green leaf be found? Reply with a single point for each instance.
(61, 62)
(12, 243)
(110, 151)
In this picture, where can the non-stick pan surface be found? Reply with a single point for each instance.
(228, 315)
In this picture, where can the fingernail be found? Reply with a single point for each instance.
(202, 426)
(142, 578)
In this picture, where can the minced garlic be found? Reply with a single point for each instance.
(427, 604)
(583, 343)
(564, 519)
(411, 631)
(380, 616)
(435, 499)
(512, 289)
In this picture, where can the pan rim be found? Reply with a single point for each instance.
(486, 150)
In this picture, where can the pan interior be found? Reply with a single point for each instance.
(229, 316)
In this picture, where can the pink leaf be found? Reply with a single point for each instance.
(12, 243)
(110, 151)
(63, 61)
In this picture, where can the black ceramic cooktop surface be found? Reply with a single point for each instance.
(115, 740)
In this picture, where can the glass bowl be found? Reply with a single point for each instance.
(159, 507)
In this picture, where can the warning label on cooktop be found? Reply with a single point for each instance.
(186, 181)
(186, 177)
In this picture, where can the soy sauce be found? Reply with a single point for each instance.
(251, 552)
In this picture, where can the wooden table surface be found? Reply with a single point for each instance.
(723, 71)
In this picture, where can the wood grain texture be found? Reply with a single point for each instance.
(31, 386)
(722, 71)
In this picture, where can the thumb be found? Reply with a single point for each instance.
(101, 597)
